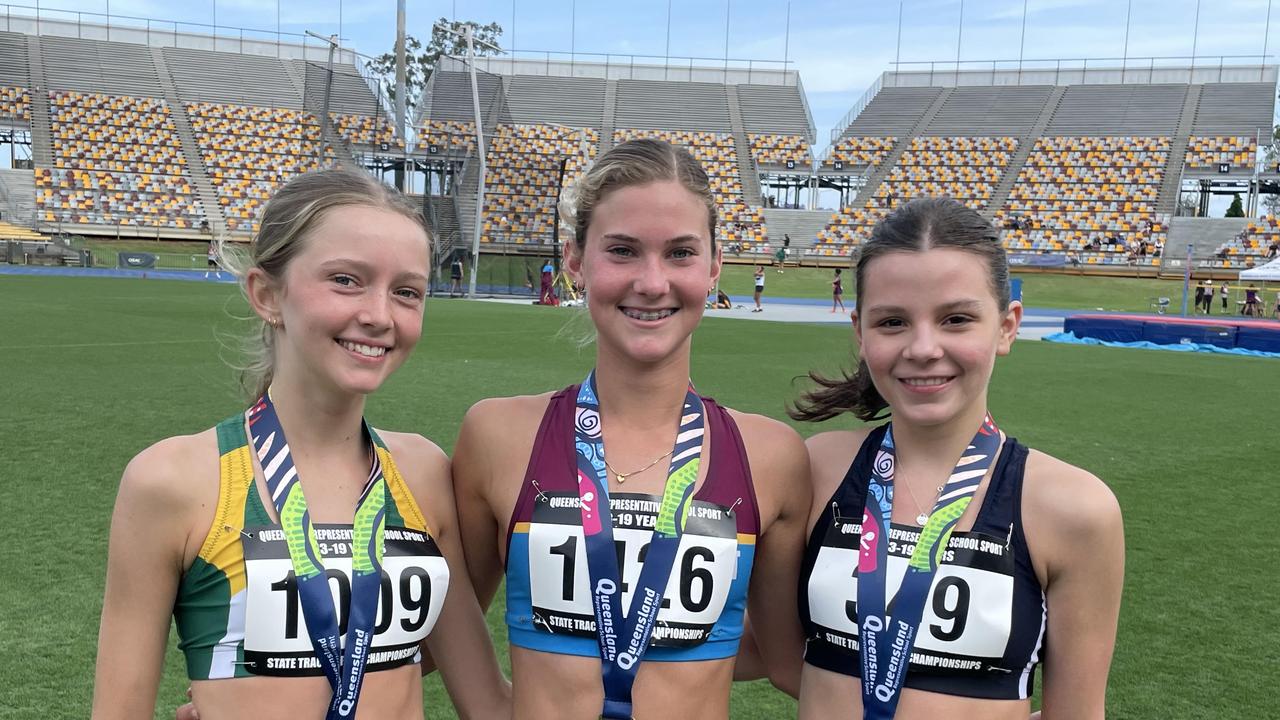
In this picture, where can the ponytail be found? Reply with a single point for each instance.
(834, 396)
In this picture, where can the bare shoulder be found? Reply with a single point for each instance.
(770, 441)
(171, 489)
(174, 473)
(1067, 499)
(418, 458)
(836, 445)
(425, 469)
(830, 455)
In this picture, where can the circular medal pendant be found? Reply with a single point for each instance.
(922, 519)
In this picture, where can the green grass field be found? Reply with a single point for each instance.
(96, 369)
(1039, 289)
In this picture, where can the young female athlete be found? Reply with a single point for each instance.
(1031, 548)
(759, 279)
(293, 529)
(837, 292)
(635, 521)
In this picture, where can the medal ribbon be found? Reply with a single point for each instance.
(345, 670)
(624, 640)
(886, 636)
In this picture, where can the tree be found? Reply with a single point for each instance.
(1271, 204)
(420, 62)
(1237, 208)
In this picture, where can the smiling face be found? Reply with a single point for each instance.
(647, 264)
(929, 329)
(350, 302)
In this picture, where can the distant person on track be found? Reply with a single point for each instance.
(455, 276)
(1225, 293)
(759, 278)
(780, 257)
(1208, 297)
(998, 558)
(606, 496)
(1252, 302)
(547, 292)
(837, 292)
(212, 261)
(213, 529)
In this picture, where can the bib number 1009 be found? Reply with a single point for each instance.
(414, 580)
(414, 596)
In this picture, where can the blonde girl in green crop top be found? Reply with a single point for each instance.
(213, 528)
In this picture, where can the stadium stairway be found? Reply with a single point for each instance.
(1168, 196)
(444, 212)
(315, 105)
(801, 225)
(466, 191)
(41, 129)
(292, 72)
(1025, 144)
(18, 192)
(1204, 235)
(746, 166)
(891, 159)
(610, 111)
(195, 161)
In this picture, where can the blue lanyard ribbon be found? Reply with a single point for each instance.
(886, 636)
(345, 670)
(623, 640)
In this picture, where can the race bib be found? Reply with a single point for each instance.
(415, 578)
(704, 569)
(967, 615)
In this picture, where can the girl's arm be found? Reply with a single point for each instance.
(145, 557)
(1074, 524)
(472, 473)
(459, 644)
(780, 473)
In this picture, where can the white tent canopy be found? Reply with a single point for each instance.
(1268, 272)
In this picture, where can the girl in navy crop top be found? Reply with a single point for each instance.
(944, 566)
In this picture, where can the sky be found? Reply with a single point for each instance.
(839, 47)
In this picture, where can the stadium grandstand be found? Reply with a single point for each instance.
(1080, 168)
(152, 139)
(185, 137)
(543, 122)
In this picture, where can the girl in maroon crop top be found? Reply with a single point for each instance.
(643, 247)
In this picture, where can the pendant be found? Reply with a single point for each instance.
(621, 478)
(922, 519)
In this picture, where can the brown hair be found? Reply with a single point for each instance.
(288, 218)
(917, 226)
(634, 162)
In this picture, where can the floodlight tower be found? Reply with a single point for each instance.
(469, 37)
(332, 40)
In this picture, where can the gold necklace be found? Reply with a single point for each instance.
(922, 517)
(622, 477)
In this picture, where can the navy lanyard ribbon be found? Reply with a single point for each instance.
(345, 670)
(886, 637)
(623, 640)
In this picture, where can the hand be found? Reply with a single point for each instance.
(188, 711)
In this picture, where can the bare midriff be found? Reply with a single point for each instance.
(825, 695)
(546, 686)
(393, 693)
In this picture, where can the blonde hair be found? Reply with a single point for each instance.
(634, 162)
(288, 218)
